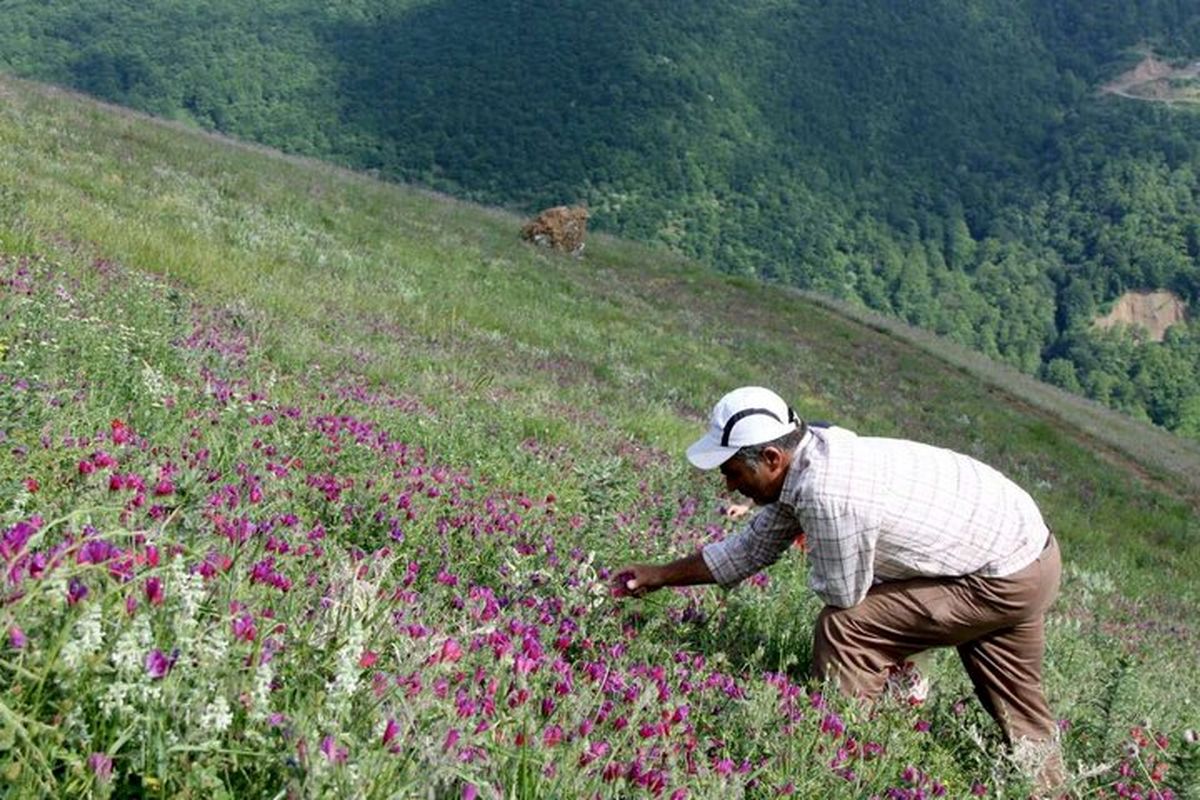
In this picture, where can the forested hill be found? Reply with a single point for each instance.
(947, 162)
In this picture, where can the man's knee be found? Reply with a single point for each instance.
(833, 640)
(831, 629)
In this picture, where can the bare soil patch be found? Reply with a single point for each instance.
(1153, 311)
(1156, 80)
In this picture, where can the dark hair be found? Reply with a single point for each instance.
(752, 454)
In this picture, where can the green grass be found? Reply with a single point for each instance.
(532, 374)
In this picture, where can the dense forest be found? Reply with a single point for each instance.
(950, 163)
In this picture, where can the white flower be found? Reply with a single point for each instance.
(260, 695)
(128, 655)
(214, 646)
(114, 701)
(76, 726)
(155, 384)
(87, 639)
(217, 716)
(189, 588)
(345, 682)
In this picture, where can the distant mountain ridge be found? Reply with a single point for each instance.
(948, 164)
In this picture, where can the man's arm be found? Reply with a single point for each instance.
(727, 562)
(641, 579)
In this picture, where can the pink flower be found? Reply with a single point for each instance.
(164, 487)
(333, 753)
(552, 735)
(368, 659)
(450, 652)
(159, 664)
(594, 751)
(154, 591)
(86, 467)
(76, 591)
(16, 638)
(469, 791)
(101, 765)
(833, 725)
(390, 731)
(648, 730)
(244, 628)
(120, 432)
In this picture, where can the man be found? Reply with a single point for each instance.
(910, 546)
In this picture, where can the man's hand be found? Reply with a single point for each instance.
(736, 510)
(636, 580)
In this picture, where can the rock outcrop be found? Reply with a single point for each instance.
(560, 228)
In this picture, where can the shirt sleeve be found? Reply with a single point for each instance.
(759, 545)
(841, 554)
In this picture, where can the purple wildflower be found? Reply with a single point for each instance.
(97, 551)
(154, 591)
(16, 638)
(833, 725)
(244, 628)
(16, 537)
(76, 591)
(101, 765)
(390, 731)
(334, 754)
(158, 664)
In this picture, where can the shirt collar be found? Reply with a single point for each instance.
(800, 461)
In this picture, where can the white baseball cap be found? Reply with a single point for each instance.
(746, 416)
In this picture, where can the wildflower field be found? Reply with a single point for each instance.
(310, 487)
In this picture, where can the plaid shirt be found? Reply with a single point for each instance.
(876, 510)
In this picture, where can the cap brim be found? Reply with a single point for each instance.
(707, 452)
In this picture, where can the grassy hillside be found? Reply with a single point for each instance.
(952, 165)
(311, 484)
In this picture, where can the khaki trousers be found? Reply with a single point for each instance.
(995, 623)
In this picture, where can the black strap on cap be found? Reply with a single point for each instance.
(749, 412)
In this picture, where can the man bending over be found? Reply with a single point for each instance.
(910, 546)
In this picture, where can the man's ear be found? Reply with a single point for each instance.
(776, 459)
(773, 457)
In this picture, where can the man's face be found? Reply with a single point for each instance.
(762, 481)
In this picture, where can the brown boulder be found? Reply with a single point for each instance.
(561, 228)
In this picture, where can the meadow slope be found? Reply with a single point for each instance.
(312, 483)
